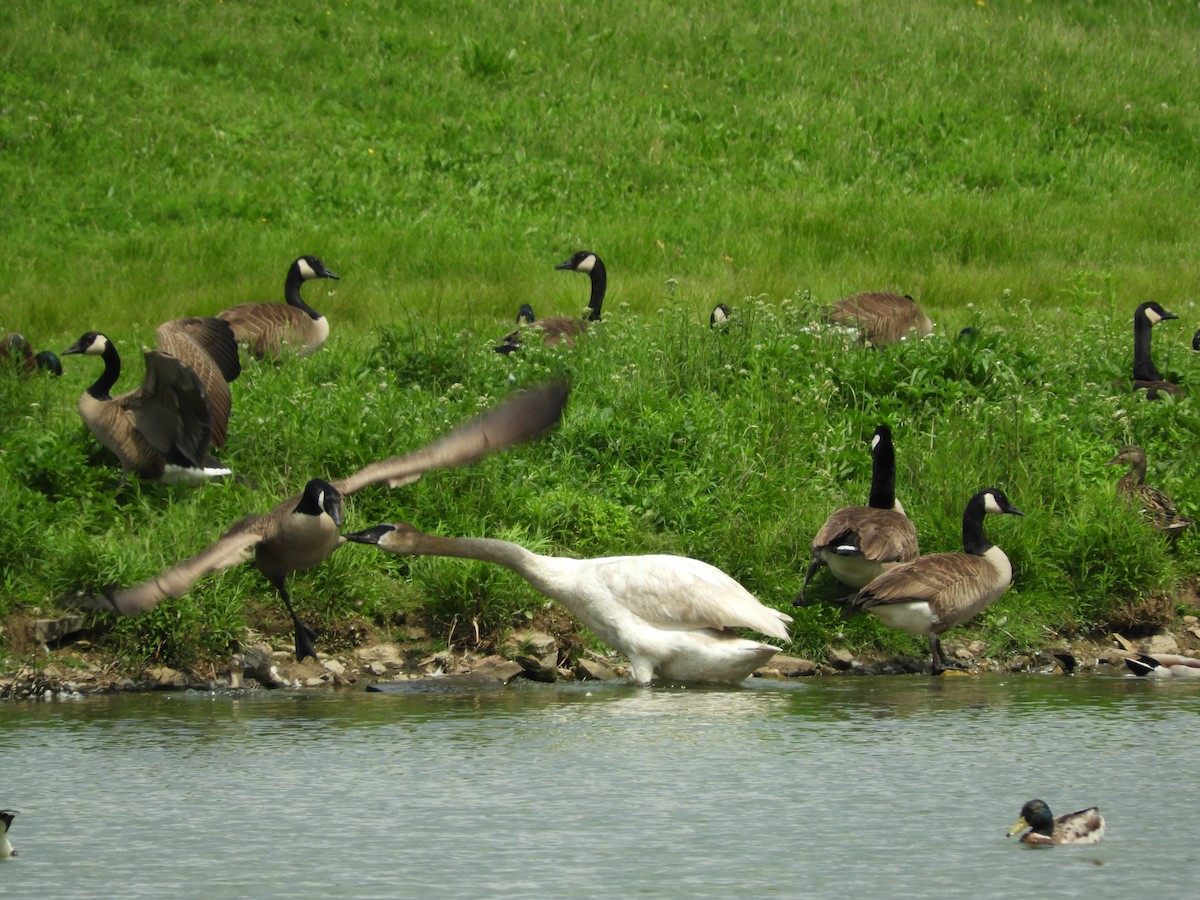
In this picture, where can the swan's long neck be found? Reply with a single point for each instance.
(524, 562)
(599, 285)
(101, 389)
(291, 293)
(1143, 365)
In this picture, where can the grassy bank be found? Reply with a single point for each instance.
(1025, 168)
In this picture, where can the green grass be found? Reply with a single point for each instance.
(1026, 168)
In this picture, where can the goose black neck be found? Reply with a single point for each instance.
(975, 541)
(1143, 366)
(101, 389)
(599, 286)
(291, 293)
(883, 475)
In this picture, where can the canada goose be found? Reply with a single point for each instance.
(512, 341)
(933, 593)
(6, 848)
(16, 350)
(161, 429)
(1196, 340)
(1083, 827)
(859, 543)
(672, 616)
(268, 327)
(567, 328)
(1163, 665)
(881, 317)
(302, 531)
(1153, 503)
(719, 318)
(1145, 376)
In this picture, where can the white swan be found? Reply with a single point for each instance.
(672, 616)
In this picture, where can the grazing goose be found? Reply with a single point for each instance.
(859, 543)
(881, 317)
(1145, 376)
(1153, 503)
(16, 350)
(524, 317)
(161, 429)
(933, 593)
(672, 616)
(6, 848)
(567, 328)
(268, 327)
(302, 531)
(1163, 665)
(1083, 827)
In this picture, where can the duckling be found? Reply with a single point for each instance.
(269, 327)
(1163, 665)
(881, 317)
(159, 430)
(672, 616)
(1145, 376)
(567, 329)
(1086, 826)
(303, 530)
(933, 593)
(1153, 503)
(16, 350)
(859, 543)
(6, 848)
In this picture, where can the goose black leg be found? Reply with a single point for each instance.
(304, 635)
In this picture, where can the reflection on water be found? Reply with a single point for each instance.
(900, 786)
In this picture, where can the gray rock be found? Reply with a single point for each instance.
(499, 668)
(1162, 643)
(839, 658)
(789, 667)
(46, 631)
(593, 670)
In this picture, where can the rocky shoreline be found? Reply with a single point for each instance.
(62, 667)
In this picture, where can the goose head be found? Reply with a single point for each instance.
(995, 502)
(583, 261)
(1152, 313)
(321, 497)
(719, 317)
(525, 315)
(309, 267)
(93, 343)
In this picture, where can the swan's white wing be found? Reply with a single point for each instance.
(679, 592)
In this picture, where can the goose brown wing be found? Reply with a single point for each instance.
(522, 417)
(169, 409)
(264, 326)
(882, 535)
(233, 547)
(884, 317)
(207, 346)
(940, 576)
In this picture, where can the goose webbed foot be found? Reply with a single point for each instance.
(304, 635)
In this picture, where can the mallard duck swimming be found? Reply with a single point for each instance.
(1083, 827)
(1154, 504)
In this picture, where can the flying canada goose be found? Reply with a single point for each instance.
(1153, 503)
(1163, 665)
(881, 317)
(161, 429)
(302, 531)
(673, 617)
(566, 328)
(16, 350)
(268, 327)
(1145, 376)
(6, 848)
(859, 543)
(720, 317)
(524, 317)
(1083, 827)
(933, 593)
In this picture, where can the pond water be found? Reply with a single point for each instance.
(888, 786)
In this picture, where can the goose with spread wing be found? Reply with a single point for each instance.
(303, 530)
